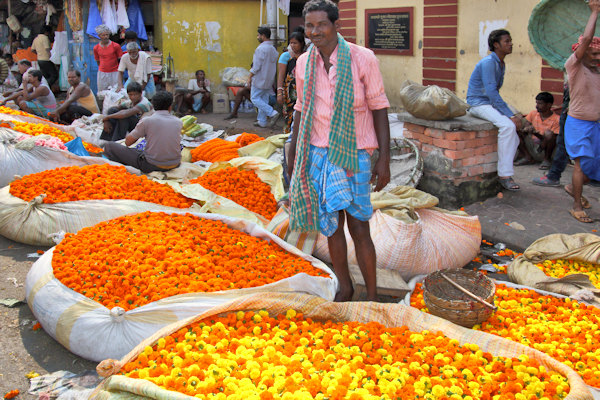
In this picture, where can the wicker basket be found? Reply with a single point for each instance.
(446, 301)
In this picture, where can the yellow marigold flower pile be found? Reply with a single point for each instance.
(562, 328)
(32, 129)
(561, 268)
(247, 355)
(10, 111)
(95, 182)
(137, 259)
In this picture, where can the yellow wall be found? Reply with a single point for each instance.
(184, 32)
(523, 66)
(395, 69)
(522, 79)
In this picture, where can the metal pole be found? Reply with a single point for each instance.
(10, 36)
(259, 22)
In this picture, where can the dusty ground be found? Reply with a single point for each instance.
(23, 349)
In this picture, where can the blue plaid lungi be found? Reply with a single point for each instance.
(337, 191)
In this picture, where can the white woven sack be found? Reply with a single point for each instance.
(35, 222)
(94, 332)
(436, 241)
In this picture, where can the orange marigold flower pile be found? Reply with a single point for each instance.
(95, 182)
(32, 129)
(137, 259)
(253, 355)
(215, 150)
(562, 328)
(242, 186)
(248, 138)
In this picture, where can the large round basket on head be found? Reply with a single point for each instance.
(461, 296)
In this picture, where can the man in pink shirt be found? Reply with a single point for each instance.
(582, 127)
(341, 118)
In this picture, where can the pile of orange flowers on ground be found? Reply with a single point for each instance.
(215, 150)
(32, 129)
(248, 138)
(95, 182)
(562, 328)
(242, 186)
(246, 354)
(137, 259)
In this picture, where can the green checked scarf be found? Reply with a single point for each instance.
(343, 150)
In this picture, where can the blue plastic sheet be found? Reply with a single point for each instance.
(75, 146)
(94, 19)
(136, 20)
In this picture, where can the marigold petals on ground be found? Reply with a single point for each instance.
(253, 355)
(242, 186)
(137, 259)
(564, 329)
(95, 182)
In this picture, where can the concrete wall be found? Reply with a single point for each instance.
(476, 18)
(395, 69)
(208, 35)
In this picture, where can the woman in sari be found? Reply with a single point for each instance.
(286, 81)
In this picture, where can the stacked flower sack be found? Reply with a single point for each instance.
(137, 259)
(70, 198)
(95, 182)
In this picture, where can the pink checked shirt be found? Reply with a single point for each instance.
(369, 95)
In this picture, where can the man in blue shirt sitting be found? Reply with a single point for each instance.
(486, 103)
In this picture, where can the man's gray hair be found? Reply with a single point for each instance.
(102, 29)
(132, 46)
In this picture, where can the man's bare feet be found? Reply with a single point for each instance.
(344, 295)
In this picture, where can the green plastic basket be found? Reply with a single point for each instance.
(555, 25)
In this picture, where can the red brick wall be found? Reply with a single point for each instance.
(348, 19)
(439, 42)
(552, 81)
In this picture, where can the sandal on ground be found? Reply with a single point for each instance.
(523, 161)
(545, 164)
(581, 216)
(584, 202)
(230, 116)
(509, 184)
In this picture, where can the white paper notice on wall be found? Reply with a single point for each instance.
(485, 28)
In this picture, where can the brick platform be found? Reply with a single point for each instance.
(459, 158)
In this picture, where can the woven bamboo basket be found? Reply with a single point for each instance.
(445, 300)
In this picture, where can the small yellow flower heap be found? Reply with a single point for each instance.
(560, 268)
(247, 355)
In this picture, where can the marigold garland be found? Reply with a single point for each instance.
(215, 150)
(137, 259)
(247, 355)
(246, 139)
(32, 129)
(562, 328)
(242, 186)
(95, 182)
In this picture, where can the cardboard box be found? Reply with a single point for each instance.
(220, 103)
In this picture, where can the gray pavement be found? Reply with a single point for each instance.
(534, 211)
